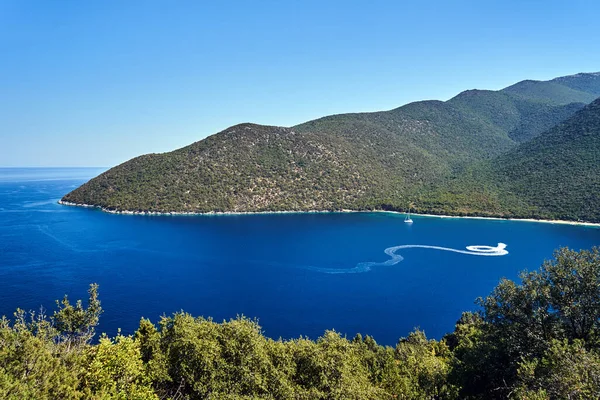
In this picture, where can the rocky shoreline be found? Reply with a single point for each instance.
(216, 213)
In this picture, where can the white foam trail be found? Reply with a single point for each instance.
(477, 250)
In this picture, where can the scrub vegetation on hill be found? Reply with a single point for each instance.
(536, 340)
(555, 175)
(511, 153)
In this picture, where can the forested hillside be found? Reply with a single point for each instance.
(432, 153)
(535, 340)
(257, 168)
(555, 175)
(579, 88)
(558, 172)
(521, 119)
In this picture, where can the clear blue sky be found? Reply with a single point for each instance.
(94, 83)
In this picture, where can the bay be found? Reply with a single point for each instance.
(299, 274)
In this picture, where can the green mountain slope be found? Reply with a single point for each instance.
(521, 119)
(589, 83)
(348, 161)
(258, 168)
(558, 172)
(444, 132)
(555, 175)
(579, 88)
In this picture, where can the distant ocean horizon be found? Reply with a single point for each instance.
(299, 274)
(20, 174)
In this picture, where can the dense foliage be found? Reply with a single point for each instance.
(256, 168)
(473, 154)
(555, 175)
(539, 339)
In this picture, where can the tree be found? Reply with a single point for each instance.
(573, 279)
(567, 371)
(522, 322)
(74, 323)
(114, 369)
(32, 366)
(423, 367)
(559, 301)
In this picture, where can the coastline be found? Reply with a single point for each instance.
(545, 221)
(225, 213)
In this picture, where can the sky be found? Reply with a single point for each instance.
(95, 83)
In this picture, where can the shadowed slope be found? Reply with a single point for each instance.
(559, 171)
(555, 175)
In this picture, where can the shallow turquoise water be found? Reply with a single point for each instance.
(278, 268)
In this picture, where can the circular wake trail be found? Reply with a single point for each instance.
(478, 250)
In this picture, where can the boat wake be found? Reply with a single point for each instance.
(395, 258)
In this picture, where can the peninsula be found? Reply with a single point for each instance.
(531, 150)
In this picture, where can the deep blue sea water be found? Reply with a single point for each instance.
(274, 267)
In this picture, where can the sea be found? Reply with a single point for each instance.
(298, 274)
